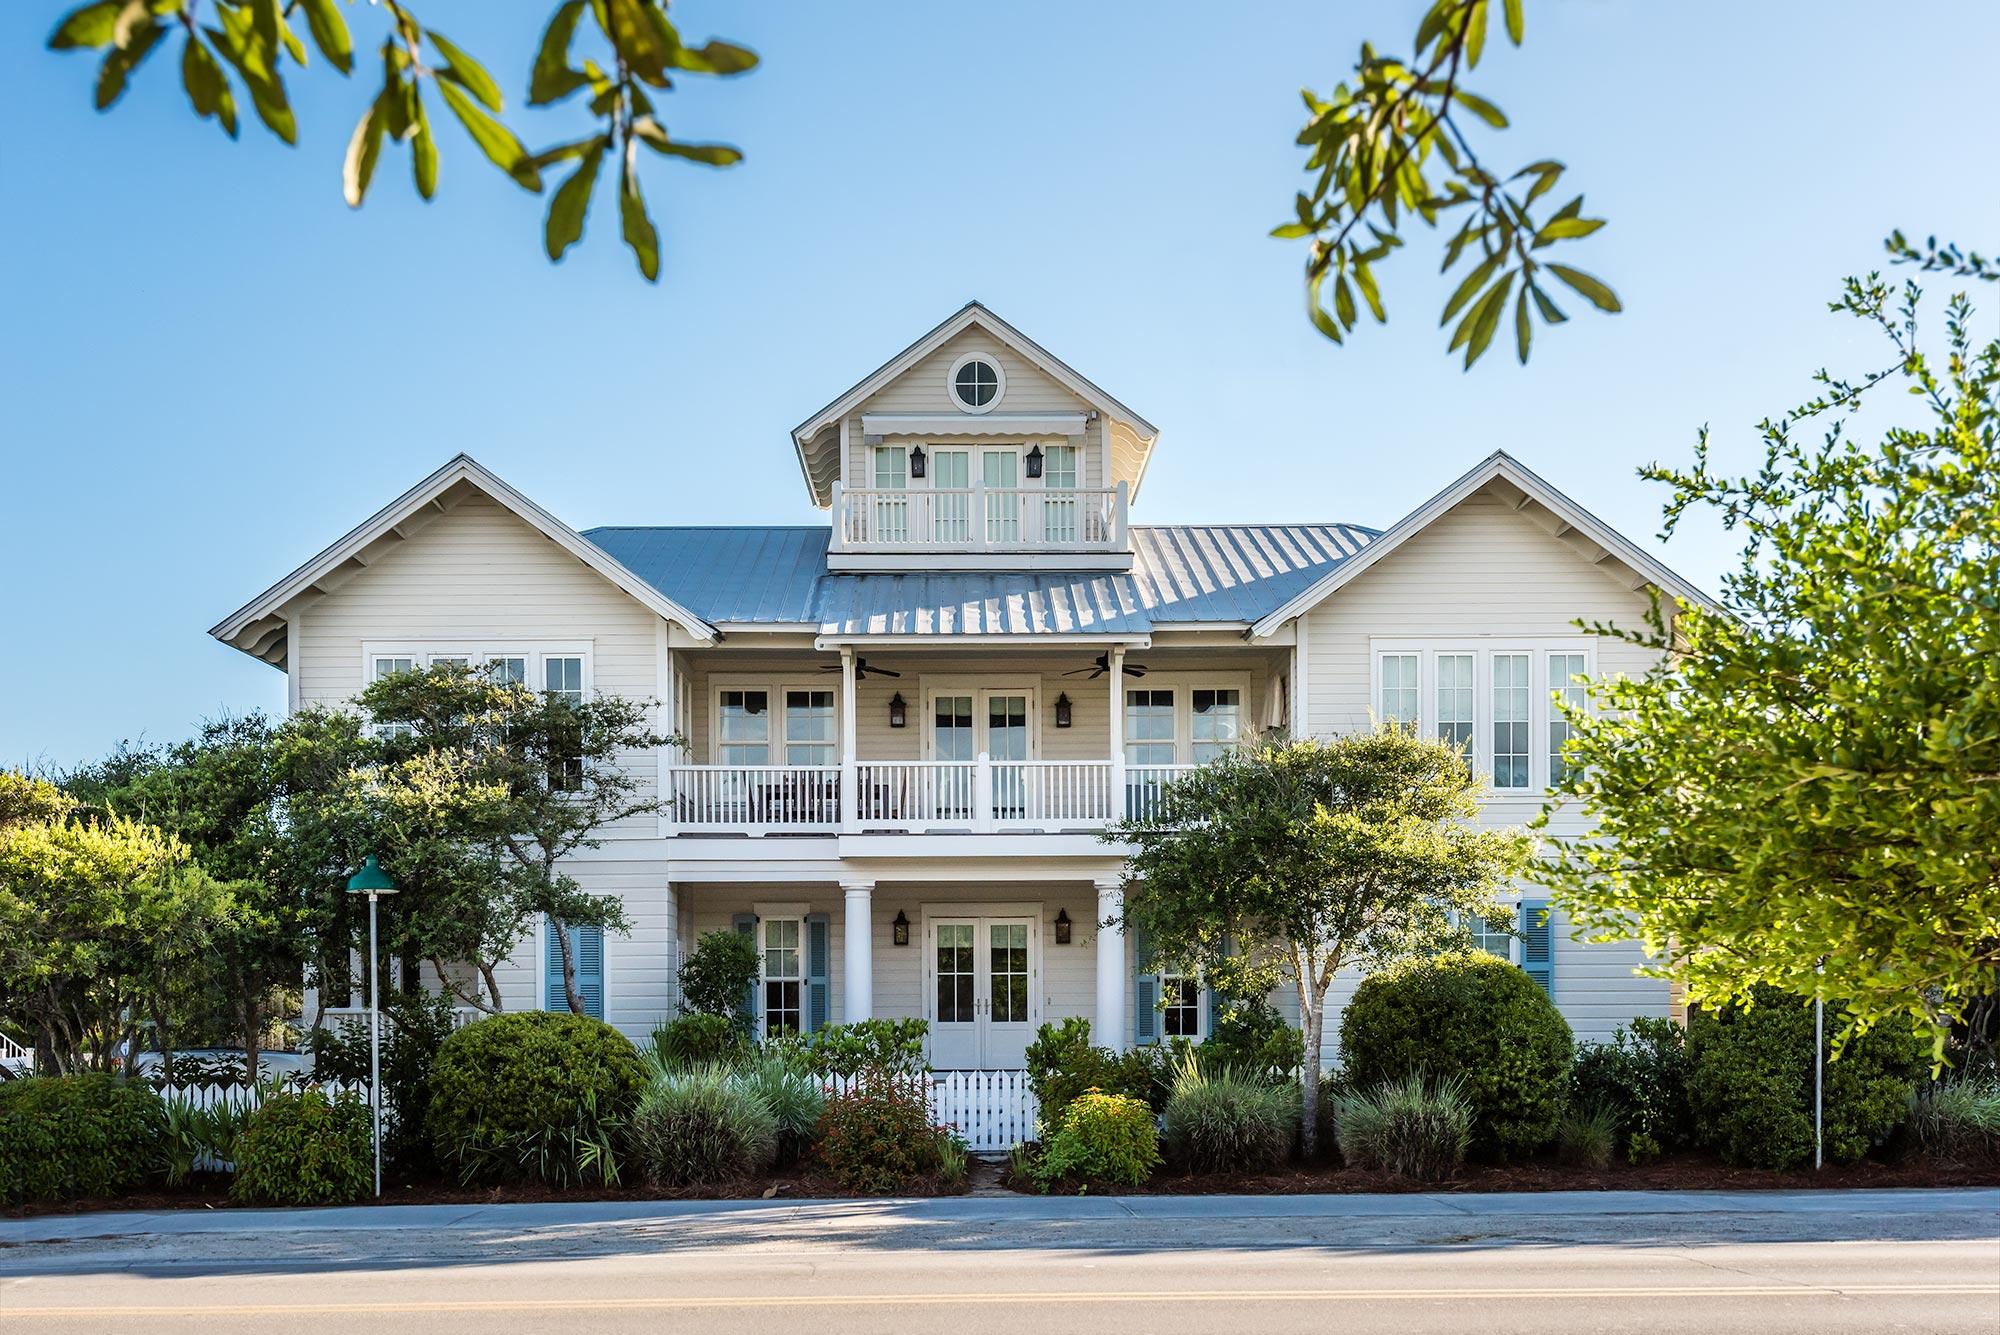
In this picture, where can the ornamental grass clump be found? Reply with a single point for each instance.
(1587, 1137)
(1956, 1121)
(1408, 1126)
(701, 1126)
(796, 1099)
(1222, 1122)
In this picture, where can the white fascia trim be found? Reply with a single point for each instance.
(462, 468)
(833, 642)
(989, 424)
(1506, 468)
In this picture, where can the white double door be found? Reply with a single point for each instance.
(982, 979)
(953, 520)
(968, 723)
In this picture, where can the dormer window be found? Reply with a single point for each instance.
(976, 383)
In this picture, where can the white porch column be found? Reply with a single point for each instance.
(858, 947)
(1112, 1031)
(850, 787)
(1119, 795)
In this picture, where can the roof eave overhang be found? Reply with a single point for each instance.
(258, 627)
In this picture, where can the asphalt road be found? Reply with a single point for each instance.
(965, 1268)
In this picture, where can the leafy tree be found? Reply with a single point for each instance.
(490, 786)
(1291, 862)
(1391, 145)
(96, 918)
(1804, 791)
(633, 51)
(717, 975)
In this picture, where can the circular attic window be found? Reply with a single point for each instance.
(976, 382)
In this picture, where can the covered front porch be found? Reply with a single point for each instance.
(983, 962)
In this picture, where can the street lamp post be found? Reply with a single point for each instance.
(372, 881)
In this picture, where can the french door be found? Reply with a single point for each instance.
(980, 991)
(966, 723)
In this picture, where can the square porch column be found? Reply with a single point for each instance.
(858, 950)
(1112, 1031)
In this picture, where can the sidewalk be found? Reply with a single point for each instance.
(1965, 1205)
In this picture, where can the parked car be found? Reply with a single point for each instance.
(216, 1065)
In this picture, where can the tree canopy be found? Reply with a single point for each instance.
(1805, 791)
(1290, 862)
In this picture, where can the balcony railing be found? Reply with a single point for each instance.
(979, 519)
(913, 795)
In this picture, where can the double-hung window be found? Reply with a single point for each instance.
(1216, 727)
(1180, 1006)
(809, 738)
(390, 665)
(1493, 702)
(1491, 937)
(782, 948)
(562, 676)
(775, 723)
(744, 728)
(1149, 727)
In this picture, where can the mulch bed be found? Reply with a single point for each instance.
(1680, 1173)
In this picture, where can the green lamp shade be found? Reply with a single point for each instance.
(371, 877)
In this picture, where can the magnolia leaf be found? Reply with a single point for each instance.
(267, 91)
(1564, 229)
(89, 26)
(1523, 328)
(119, 64)
(1473, 282)
(468, 73)
(1485, 319)
(639, 232)
(715, 58)
(642, 35)
(1516, 24)
(494, 139)
(1551, 313)
(1591, 288)
(572, 203)
(654, 136)
(1481, 108)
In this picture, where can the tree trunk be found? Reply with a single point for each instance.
(575, 998)
(492, 985)
(253, 1017)
(1315, 1023)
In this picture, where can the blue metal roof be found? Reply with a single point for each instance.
(1181, 575)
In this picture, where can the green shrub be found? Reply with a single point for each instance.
(414, 1027)
(306, 1149)
(846, 1050)
(796, 1098)
(1407, 1125)
(716, 977)
(1222, 1122)
(1473, 1016)
(696, 1039)
(1750, 1083)
(702, 1125)
(537, 1096)
(876, 1136)
(1956, 1122)
(1252, 1039)
(1062, 1064)
(202, 1137)
(1641, 1076)
(1588, 1135)
(67, 1136)
(1102, 1140)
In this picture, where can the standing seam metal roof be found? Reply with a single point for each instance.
(1181, 574)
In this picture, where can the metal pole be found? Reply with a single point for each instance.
(1819, 1080)
(375, 1042)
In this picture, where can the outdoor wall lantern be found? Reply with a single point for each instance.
(1064, 711)
(1035, 461)
(899, 713)
(1062, 927)
(900, 928)
(917, 462)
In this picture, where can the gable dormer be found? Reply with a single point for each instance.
(976, 449)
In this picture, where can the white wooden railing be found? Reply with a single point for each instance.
(993, 1111)
(913, 795)
(979, 518)
(754, 797)
(14, 1056)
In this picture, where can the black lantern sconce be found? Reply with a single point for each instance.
(899, 713)
(1062, 927)
(1035, 461)
(917, 462)
(899, 930)
(1065, 712)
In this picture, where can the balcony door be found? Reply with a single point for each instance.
(964, 723)
(979, 991)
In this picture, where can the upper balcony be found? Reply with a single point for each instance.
(977, 526)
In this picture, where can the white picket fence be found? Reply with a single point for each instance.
(992, 1111)
(239, 1099)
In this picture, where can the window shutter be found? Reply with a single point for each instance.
(1538, 956)
(1145, 997)
(819, 951)
(554, 998)
(588, 946)
(746, 925)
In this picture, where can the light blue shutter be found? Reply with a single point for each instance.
(554, 997)
(746, 925)
(587, 944)
(819, 953)
(1538, 956)
(1145, 996)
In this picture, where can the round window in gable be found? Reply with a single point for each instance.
(977, 382)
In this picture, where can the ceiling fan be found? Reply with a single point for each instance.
(861, 669)
(1102, 667)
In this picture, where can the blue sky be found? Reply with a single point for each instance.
(211, 368)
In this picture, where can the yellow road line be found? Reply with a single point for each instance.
(1013, 1299)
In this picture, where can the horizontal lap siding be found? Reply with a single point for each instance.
(478, 573)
